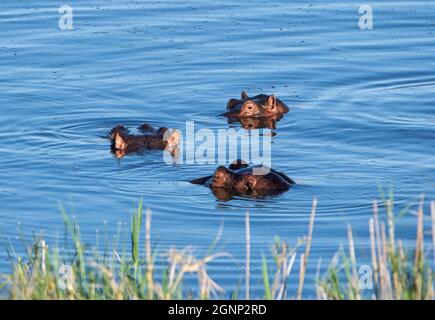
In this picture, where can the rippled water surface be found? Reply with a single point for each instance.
(362, 115)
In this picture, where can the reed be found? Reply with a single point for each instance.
(304, 257)
(248, 256)
(81, 274)
(395, 271)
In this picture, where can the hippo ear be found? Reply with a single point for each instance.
(232, 103)
(119, 142)
(145, 128)
(244, 95)
(117, 129)
(271, 101)
(162, 131)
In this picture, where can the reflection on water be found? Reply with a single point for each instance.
(255, 123)
(362, 115)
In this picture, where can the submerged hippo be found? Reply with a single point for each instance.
(124, 142)
(240, 179)
(261, 105)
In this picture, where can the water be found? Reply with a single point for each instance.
(362, 115)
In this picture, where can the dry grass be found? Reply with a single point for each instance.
(396, 271)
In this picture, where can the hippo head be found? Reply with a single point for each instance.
(261, 105)
(222, 178)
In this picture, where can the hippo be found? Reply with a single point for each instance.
(259, 106)
(124, 142)
(240, 179)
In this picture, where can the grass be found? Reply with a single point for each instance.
(396, 271)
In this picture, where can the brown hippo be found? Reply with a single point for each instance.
(240, 179)
(261, 105)
(124, 142)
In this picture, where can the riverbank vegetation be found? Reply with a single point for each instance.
(396, 271)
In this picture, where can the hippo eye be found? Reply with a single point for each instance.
(250, 106)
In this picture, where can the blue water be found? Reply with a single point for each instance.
(362, 115)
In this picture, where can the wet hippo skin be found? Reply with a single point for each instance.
(261, 105)
(240, 179)
(123, 142)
